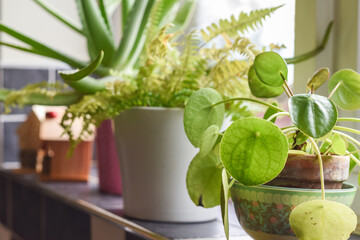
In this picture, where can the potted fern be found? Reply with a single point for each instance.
(294, 162)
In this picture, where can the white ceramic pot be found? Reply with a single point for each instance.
(154, 155)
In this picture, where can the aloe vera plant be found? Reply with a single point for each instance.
(105, 55)
(254, 151)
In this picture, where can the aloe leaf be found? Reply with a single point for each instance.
(80, 74)
(24, 49)
(59, 16)
(225, 202)
(40, 48)
(134, 29)
(182, 17)
(126, 6)
(208, 140)
(98, 31)
(253, 151)
(270, 67)
(90, 43)
(87, 85)
(347, 95)
(313, 114)
(203, 180)
(318, 79)
(111, 6)
(104, 15)
(199, 113)
(321, 219)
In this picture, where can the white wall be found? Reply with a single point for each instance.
(28, 18)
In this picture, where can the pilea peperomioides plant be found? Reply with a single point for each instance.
(254, 151)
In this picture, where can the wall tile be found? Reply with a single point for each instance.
(3, 201)
(18, 78)
(65, 222)
(11, 145)
(26, 218)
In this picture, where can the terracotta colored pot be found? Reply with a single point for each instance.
(108, 163)
(302, 171)
(263, 211)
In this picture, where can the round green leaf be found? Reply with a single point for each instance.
(260, 89)
(320, 219)
(253, 151)
(347, 96)
(208, 140)
(313, 114)
(269, 66)
(318, 79)
(199, 113)
(203, 180)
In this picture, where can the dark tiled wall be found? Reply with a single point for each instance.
(17, 78)
(33, 215)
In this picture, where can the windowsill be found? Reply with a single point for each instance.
(85, 197)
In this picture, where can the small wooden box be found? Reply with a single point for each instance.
(42, 133)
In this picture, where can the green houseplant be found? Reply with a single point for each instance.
(254, 151)
(140, 20)
(162, 78)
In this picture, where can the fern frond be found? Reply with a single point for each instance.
(18, 98)
(229, 78)
(241, 46)
(189, 57)
(159, 46)
(234, 26)
(154, 19)
(93, 109)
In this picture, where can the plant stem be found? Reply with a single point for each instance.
(287, 85)
(250, 100)
(347, 129)
(320, 166)
(334, 90)
(289, 129)
(231, 183)
(354, 158)
(349, 119)
(286, 91)
(277, 114)
(349, 153)
(314, 52)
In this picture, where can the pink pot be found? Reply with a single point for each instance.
(108, 163)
